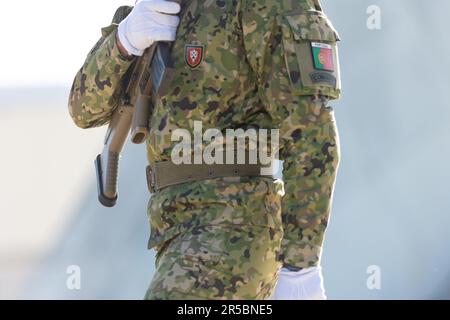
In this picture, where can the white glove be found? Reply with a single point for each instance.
(306, 284)
(148, 22)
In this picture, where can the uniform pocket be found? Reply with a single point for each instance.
(311, 54)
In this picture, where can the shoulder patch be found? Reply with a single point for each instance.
(323, 56)
(193, 55)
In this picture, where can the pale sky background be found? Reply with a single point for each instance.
(45, 42)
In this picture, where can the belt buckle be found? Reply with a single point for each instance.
(151, 180)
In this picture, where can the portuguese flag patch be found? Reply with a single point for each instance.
(323, 56)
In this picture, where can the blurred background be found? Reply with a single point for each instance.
(392, 201)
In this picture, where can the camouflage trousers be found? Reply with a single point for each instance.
(220, 238)
(230, 262)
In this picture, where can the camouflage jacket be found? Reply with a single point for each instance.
(252, 72)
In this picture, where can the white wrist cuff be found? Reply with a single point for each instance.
(124, 40)
(306, 284)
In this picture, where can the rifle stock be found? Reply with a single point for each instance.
(107, 163)
(133, 115)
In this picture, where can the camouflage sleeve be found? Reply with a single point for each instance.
(291, 46)
(98, 84)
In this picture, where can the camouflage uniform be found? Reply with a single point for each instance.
(227, 238)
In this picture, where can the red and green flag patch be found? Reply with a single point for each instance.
(323, 56)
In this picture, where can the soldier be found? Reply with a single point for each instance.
(238, 64)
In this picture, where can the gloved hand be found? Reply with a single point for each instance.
(305, 284)
(148, 22)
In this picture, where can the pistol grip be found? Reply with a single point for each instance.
(107, 190)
